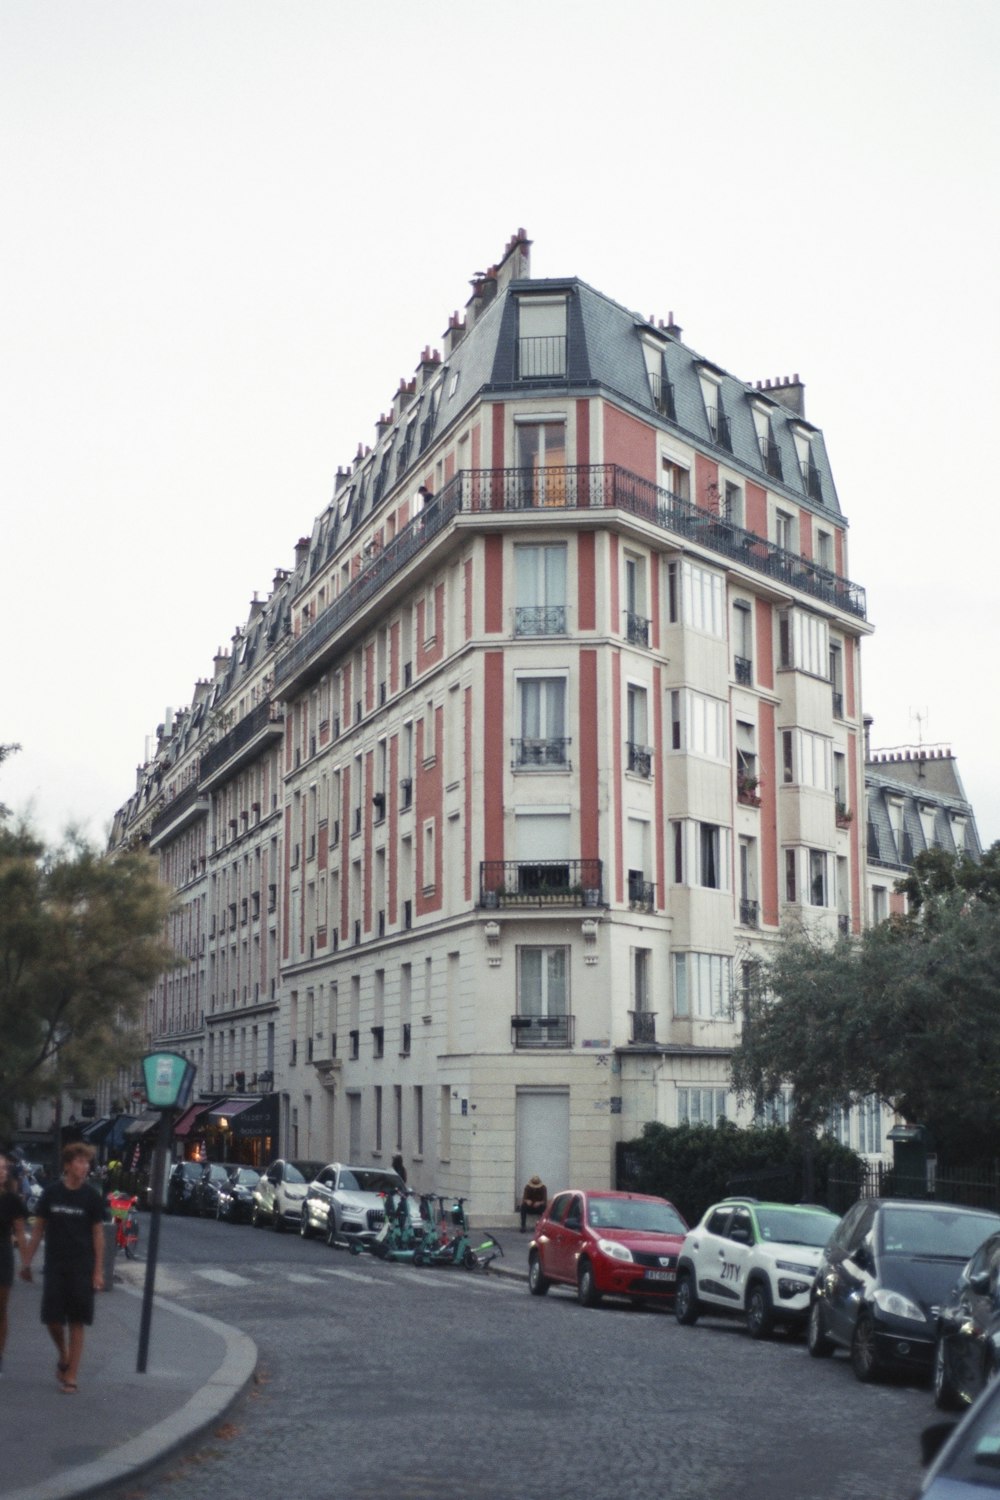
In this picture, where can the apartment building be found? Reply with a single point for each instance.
(492, 807)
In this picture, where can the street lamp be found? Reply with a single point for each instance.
(168, 1078)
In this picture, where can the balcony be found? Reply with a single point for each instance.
(749, 912)
(641, 892)
(505, 884)
(747, 794)
(719, 427)
(190, 804)
(532, 754)
(643, 1024)
(812, 480)
(530, 1033)
(662, 392)
(743, 670)
(770, 456)
(540, 619)
(639, 759)
(636, 629)
(838, 704)
(843, 815)
(542, 357)
(583, 487)
(242, 744)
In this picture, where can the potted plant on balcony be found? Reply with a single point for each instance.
(844, 815)
(746, 789)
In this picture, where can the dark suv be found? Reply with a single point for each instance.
(184, 1178)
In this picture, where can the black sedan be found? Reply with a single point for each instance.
(234, 1199)
(967, 1352)
(205, 1195)
(889, 1265)
(184, 1177)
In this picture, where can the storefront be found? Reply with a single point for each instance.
(242, 1130)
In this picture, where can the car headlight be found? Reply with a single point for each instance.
(898, 1306)
(614, 1250)
(796, 1267)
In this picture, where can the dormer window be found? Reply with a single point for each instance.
(660, 388)
(541, 337)
(811, 480)
(718, 422)
(770, 456)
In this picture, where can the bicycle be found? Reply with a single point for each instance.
(126, 1222)
(480, 1257)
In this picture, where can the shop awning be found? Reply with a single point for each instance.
(143, 1125)
(97, 1131)
(229, 1109)
(190, 1117)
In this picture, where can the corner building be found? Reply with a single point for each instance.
(556, 720)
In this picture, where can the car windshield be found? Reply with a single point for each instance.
(189, 1169)
(217, 1173)
(246, 1176)
(302, 1171)
(940, 1233)
(359, 1180)
(635, 1213)
(796, 1227)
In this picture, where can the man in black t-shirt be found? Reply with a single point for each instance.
(70, 1216)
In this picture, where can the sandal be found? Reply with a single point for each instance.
(68, 1387)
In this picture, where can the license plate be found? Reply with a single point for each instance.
(661, 1276)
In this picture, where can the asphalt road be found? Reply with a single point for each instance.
(380, 1380)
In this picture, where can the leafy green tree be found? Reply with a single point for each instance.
(937, 873)
(908, 1014)
(81, 941)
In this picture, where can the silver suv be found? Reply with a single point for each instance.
(280, 1192)
(753, 1260)
(347, 1204)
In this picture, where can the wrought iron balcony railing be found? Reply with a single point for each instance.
(636, 629)
(838, 704)
(529, 1031)
(749, 912)
(542, 356)
(534, 753)
(719, 427)
(663, 396)
(540, 882)
(540, 619)
(643, 1025)
(267, 716)
(641, 893)
(586, 487)
(639, 759)
(743, 670)
(771, 457)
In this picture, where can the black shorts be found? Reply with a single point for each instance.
(6, 1263)
(68, 1295)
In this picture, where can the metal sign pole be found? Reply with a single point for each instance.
(159, 1164)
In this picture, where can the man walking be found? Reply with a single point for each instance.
(70, 1216)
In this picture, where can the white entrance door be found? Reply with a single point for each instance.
(542, 1139)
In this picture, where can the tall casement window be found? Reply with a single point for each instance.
(541, 460)
(804, 642)
(703, 985)
(639, 756)
(701, 854)
(542, 721)
(540, 589)
(675, 477)
(695, 597)
(718, 422)
(808, 877)
(807, 759)
(770, 454)
(742, 642)
(699, 725)
(541, 337)
(636, 618)
(542, 997)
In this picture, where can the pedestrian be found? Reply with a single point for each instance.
(12, 1216)
(70, 1217)
(533, 1199)
(398, 1167)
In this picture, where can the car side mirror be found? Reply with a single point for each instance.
(862, 1258)
(979, 1283)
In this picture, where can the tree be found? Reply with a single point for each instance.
(908, 1013)
(81, 941)
(936, 873)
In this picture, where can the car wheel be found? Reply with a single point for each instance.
(331, 1233)
(586, 1287)
(277, 1220)
(686, 1307)
(946, 1397)
(864, 1357)
(418, 1256)
(256, 1217)
(305, 1228)
(817, 1342)
(760, 1311)
(538, 1282)
(218, 1208)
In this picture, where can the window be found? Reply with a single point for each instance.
(696, 597)
(541, 458)
(746, 756)
(880, 903)
(540, 586)
(742, 642)
(870, 1126)
(807, 759)
(791, 884)
(675, 477)
(837, 679)
(824, 550)
(700, 1106)
(639, 758)
(804, 642)
(542, 987)
(636, 620)
(703, 985)
(699, 724)
(542, 715)
(732, 503)
(748, 882)
(784, 530)
(701, 854)
(718, 422)
(541, 343)
(818, 878)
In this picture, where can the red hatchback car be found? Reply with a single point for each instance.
(607, 1245)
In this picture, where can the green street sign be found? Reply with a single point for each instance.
(168, 1078)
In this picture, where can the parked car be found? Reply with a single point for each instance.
(279, 1193)
(234, 1199)
(888, 1267)
(607, 1244)
(347, 1203)
(180, 1186)
(752, 1260)
(964, 1456)
(205, 1193)
(967, 1349)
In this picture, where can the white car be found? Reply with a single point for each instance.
(347, 1204)
(280, 1192)
(753, 1260)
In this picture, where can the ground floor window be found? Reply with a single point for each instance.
(702, 1106)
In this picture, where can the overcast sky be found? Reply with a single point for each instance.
(230, 227)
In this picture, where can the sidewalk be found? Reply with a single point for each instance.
(120, 1422)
